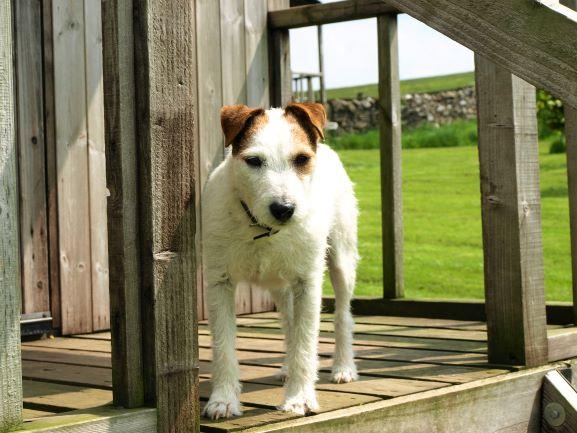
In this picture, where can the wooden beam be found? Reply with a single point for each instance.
(279, 59)
(391, 162)
(511, 212)
(314, 15)
(123, 225)
(514, 34)
(322, 89)
(166, 94)
(571, 140)
(507, 403)
(558, 313)
(562, 343)
(559, 405)
(10, 304)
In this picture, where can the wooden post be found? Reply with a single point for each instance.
(10, 368)
(511, 211)
(279, 60)
(123, 222)
(391, 161)
(166, 95)
(322, 91)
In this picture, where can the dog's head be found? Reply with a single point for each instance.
(273, 157)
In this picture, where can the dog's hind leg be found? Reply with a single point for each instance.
(284, 303)
(224, 399)
(342, 263)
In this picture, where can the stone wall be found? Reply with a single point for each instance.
(361, 114)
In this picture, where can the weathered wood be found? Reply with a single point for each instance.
(123, 227)
(322, 89)
(280, 75)
(71, 343)
(562, 343)
(51, 163)
(98, 420)
(72, 159)
(63, 397)
(96, 165)
(511, 212)
(31, 157)
(559, 405)
(315, 15)
(571, 140)
(166, 84)
(63, 356)
(10, 304)
(390, 144)
(78, 375)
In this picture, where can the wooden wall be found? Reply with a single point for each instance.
(234, 70)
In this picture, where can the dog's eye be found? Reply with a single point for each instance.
(254, 161)
(301, 160)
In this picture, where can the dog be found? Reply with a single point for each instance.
(275, 213)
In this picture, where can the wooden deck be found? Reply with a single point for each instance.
(396, 357)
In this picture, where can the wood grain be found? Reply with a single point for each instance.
(511, 213)
(279, 59)
(560, 399)
(10, 302)
(571, 140)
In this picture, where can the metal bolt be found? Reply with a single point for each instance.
(554, 414)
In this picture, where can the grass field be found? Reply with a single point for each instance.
(442, 220)
(418, 85)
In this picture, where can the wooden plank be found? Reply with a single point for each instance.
(210, 88)
(10, 302)
(280, 75)
(51, 163)
(571, 140)
(511, 212)
(78, 375)
(30, 414)
(72, 157)
(336, 12)
(96, 165)
(65, 356)
(166, 79)
(390, 145)
(123, 203)
(31, 157)
(513, 401)
(97, 420)
(562, 343)
(559, 406)
(71, 344)
(58, 397)
(322, 91)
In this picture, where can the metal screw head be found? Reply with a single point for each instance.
(554, 414)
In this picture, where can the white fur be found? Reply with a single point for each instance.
(290, 264)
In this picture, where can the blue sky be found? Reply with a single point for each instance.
(350, 50)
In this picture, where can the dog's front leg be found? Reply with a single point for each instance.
(224, 399)
(302, 359)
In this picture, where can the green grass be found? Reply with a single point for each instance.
(459, 133)
(417, 85)
(442, 220)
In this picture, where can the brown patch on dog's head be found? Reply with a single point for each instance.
(311, 116)
(238, 123)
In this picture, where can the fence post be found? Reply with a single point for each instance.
(390, 137)
(510, 204)
(10, 304)
(279, 61)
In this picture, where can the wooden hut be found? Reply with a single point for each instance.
(166, 68)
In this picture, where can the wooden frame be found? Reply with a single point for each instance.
(559, 404)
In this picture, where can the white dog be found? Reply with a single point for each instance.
(274, 211)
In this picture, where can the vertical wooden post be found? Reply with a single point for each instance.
(123, 223)
(509, 166)
(391, 158)
(322, 91)
(10, 368)
(279, 60)
(166, 95)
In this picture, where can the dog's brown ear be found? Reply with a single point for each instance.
(311, 115)
(234, 119)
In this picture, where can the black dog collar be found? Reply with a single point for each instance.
(254, 223)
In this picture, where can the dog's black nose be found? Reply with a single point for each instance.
(282, 211)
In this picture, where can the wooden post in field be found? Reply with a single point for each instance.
(511, 210)
(123, 222)
(279, 60)
(10, 368)
(322, 89)
(390, 137)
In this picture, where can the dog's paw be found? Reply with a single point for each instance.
(301, 404)
(222, 407)
(282, 374)
(344, 374)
